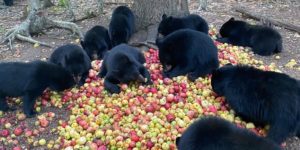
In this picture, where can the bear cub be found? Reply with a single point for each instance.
(171, 24)
(96, 42)
(212, 133)
(122, 25)
(263, 40)
(123, 64)
(197, 56)
(262, 97)
(74, 59)
(29, 80)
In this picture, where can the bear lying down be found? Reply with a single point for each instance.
(263, 40)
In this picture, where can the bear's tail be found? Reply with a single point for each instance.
(279, 46)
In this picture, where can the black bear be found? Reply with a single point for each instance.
(212, 133)
(187, 51)
(96, 42)
(123, 64)
(262, 97)
(122, 25)
(8, 2)
(263, 40)
(74, 59)
(29, 80)
(171, 24)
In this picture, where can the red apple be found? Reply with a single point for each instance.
(4, 133)
(170, 98)
(149, 144)
(44, 122)
(149, 108)
(170, 117)
(18, 131)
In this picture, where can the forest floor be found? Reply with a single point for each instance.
(218, 12)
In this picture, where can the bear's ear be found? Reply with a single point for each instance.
(231, 19)
(164, 16)
(177, 141)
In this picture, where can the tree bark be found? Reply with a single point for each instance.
(149, 12)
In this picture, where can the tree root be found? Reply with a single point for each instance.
(66, 25)
(22, 32)
(149, 44)
(31, 40)
(36, 21)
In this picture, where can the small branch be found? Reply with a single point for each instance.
(272, 21)
(117, 3)
(85, 17)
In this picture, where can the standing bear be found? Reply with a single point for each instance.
(262, 97)
(29, 80)
(96, 42)
(122, 25)
(171, 24)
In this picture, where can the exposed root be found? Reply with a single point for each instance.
(10, 35)
(31, 40)
(67, 25)
(22, 32)
(149, 44)
(36, 21)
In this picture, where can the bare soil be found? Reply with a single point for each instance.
(218, 12)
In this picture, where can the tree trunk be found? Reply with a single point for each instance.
(149, 12)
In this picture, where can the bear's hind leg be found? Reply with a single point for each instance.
(281, 130)
(3, 104)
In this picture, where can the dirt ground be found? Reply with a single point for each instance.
(218, 12)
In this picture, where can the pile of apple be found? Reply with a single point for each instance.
(140, 117)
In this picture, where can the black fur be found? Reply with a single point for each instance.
(96, 42)
(171, 24)
(122, 25)
(29, 80)
(123, 64)
(263, 40)
(262, 97)
(8, 2)
(186, 51)
(212, 133)
(74, 59)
